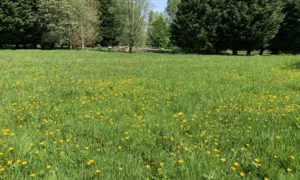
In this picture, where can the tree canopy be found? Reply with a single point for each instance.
(197, 26)
(158, 31)
(288, 38)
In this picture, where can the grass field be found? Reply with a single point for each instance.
(98, 115)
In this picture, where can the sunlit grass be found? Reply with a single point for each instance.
(89, 114)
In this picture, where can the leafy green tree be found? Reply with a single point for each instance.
(85, 22)
(158, 31)
(288, 37)
(134, 13)
(54, 18)
(68, 22)
(195, 24)
(110, 26)
(249, 24)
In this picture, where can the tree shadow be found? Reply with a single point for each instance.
(295, 65)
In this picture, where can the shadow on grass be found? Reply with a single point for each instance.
(295, 65)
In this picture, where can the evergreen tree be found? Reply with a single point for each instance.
(16, 17)
(158, 31)
(249, 24)
(288, 37)
(33, 34)
(110, 26)
(195, 24)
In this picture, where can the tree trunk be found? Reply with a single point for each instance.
(294, 52)
(52, 45)
(261, 51)
(275, 51)
(130, 49)
(82, 43)
(234, 52)
(248, 52)
(34, 46)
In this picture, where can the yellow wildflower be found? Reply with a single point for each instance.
(180, 162)
(9, 162)
(98, 171)
(236, 164)
(90, 162)
(292, 157)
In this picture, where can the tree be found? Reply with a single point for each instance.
(172, 7)
(248, 25)
(15, 18)
(85, 20)
(288, 39)
(68, 22)
(110, 26)
(134, 13)
(195, 24)
(158, 31)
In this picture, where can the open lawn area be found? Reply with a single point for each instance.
(100, 115)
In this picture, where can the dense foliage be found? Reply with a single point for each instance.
(198, 26)
(202, 25)
(194, 28)
(288, 38)
(110, 27)
(172, 8)
(158, 32)
(18, 23)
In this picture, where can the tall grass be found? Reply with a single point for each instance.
(99, 115)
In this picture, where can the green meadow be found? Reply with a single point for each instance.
(100, 115)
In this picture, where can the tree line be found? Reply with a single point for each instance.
(72, 23)
(196, 26)
(211, 26)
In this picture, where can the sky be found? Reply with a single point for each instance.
(159, 5)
